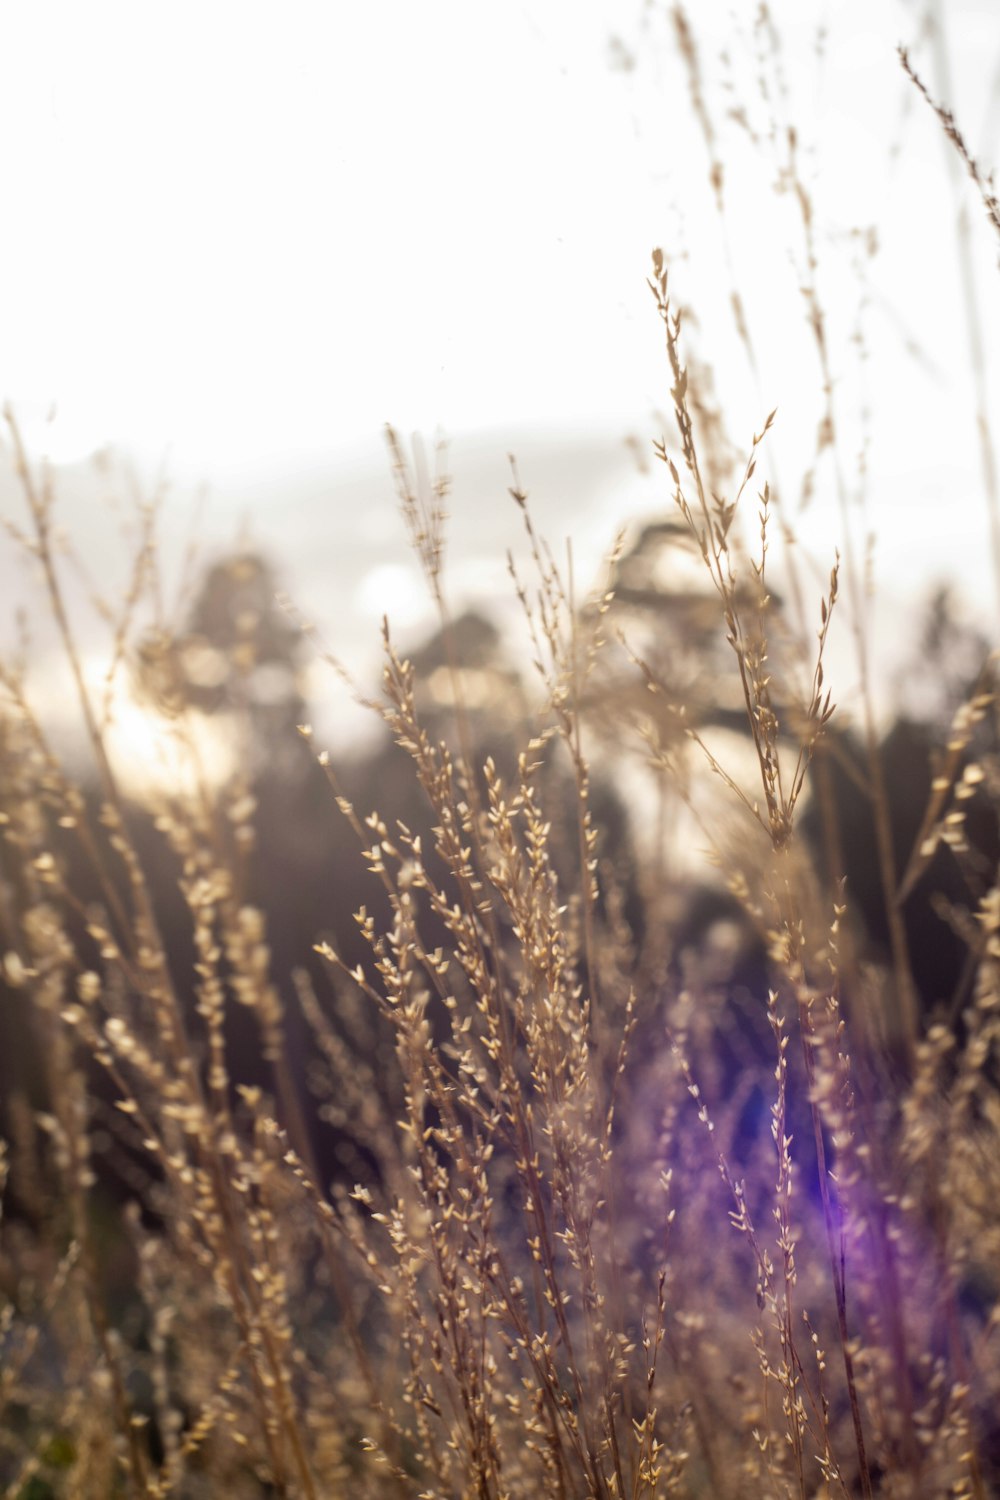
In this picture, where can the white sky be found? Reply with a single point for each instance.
(242, 230)
(248, 230)
(248, 235)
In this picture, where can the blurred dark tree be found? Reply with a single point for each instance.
(667, 608)
(239, 655)
(944, 863)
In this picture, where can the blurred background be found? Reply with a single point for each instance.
(242, 238)
(238, 245)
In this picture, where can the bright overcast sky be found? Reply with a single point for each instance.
(245, 229)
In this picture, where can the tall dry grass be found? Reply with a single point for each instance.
(619, 1230)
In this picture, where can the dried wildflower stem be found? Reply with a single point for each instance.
(973, 320)
(565, 678)
(786, 1236)
(482, 960)
(240, 1283)
(422, 503)
(206, 895)
(934, 825)
(951, 130)
(50, 955)
(687, 46)
(143, 574)
(74, 817)
(805, 998)
(40, 503)
(792, 1374)
(763, 728)
(830, 436)
(710, 530)
(585, 832)
(688, 49)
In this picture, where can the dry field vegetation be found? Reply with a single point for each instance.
(618, 1222)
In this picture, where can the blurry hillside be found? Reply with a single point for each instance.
(239, 666)
(331, 529)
